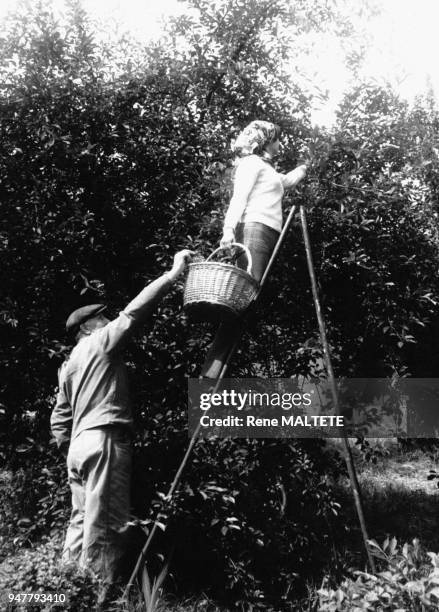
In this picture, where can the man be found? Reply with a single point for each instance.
(92, 425)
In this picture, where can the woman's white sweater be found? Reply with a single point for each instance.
(257, 192)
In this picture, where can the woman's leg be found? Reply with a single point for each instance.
(260, 239)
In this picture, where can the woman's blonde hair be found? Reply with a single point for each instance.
(255, 137)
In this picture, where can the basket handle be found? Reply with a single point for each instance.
(244, 248)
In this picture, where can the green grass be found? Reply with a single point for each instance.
(200, 604)
(398, 498)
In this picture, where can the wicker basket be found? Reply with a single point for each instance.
(219, 290)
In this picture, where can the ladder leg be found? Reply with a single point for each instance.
(355, 485)
(226, 337)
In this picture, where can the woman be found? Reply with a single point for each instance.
(254, 216)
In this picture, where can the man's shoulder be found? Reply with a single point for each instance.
(86, 347)
(106, 341)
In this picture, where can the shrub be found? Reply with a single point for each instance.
(251, 519)
(38, 570)
(34, 500)
(103, 177)
(409, 581)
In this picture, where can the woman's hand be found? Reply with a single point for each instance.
(291, 179)
(303, 168)
(228, 238)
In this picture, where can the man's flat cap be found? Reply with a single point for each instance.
(80, 315)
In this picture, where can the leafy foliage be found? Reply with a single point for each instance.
(38, 570)
(113, 157)
(34, 501)
(409, 581)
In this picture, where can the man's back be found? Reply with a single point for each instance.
(94, 382)
(93, 386)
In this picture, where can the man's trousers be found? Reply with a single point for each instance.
(99, 471)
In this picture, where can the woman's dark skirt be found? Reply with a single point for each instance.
(260, 239)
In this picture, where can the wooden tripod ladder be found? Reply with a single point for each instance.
(215, 367)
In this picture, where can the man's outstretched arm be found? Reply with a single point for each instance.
(113, 335)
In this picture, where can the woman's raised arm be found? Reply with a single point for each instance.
(295, 176)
